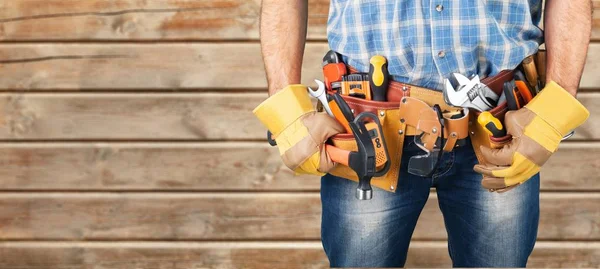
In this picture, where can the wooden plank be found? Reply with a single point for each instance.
(251, 166)
(130, 116)
(162, 66)
(31, 20)
(179, 255)
(596, 20)
(232, 216)
(35, 20)
(147, 166)
(158, 116)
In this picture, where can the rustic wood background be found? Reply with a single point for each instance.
(127, 142)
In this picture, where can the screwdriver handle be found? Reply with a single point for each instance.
(378, 77)
(491, 124)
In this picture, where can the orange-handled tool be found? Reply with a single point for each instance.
(524, 91)
(338, 155)
(371, 152)
(337, 111)
(371, 158)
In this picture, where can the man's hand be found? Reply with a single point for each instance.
(300, 131)
(538, 128)
(536, 131)
(282, 39)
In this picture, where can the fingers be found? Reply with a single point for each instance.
(522, 177)
(504, 184)
(493, 183)
(502, 156)
(325, 163)
(506, 189)
(485, 170)
(519, 166)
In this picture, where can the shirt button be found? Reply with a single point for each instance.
(442, 54)
(439, 8)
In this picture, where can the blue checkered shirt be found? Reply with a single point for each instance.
(425, 41)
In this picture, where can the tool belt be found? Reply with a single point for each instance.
(409, 111)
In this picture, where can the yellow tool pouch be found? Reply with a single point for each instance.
(408, 116)
(408, 112)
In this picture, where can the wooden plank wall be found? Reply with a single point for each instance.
(127, 142)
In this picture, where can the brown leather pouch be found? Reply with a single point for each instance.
(479, 137)
(401, 119)
(387, 112)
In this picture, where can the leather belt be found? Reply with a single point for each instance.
(415, 99)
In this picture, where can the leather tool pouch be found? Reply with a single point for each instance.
(479, 137)
(409, 112)
(408, 117)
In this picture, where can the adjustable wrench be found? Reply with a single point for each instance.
(469, 93)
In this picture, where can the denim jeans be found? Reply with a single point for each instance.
(484, 229)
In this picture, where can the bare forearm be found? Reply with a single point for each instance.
(282, 39)
(568, 26)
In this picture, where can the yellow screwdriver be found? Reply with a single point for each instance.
(491, 124)
(378, 78)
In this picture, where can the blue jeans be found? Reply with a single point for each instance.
(484, 229)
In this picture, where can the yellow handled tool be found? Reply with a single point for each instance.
(378, 78)
(491, 124)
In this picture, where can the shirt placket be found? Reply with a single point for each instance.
(441, 35)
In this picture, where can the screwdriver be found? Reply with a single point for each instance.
(378, 77)
(491, 124)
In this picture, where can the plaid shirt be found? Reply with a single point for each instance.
(425, 41)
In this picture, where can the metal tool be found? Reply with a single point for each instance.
(372, 158)
(321, 95)
(491, 124)
(356, 85)
(333, 69)
(379, 77)
(342, 113)
(469, 93)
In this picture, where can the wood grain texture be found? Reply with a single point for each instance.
(152, 20)
(596, 20)
(233, 216)
(130, 116)
(159, 116)
(163, 66)
(252, 166)
(57, 20)
(183, 255)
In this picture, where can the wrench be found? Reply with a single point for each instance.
(321, 96)
(469, 93)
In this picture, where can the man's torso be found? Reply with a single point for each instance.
(425, 41)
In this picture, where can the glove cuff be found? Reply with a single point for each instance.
(558, 108)
(284, 108)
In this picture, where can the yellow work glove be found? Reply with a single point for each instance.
(537, 129)
(300, 131)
